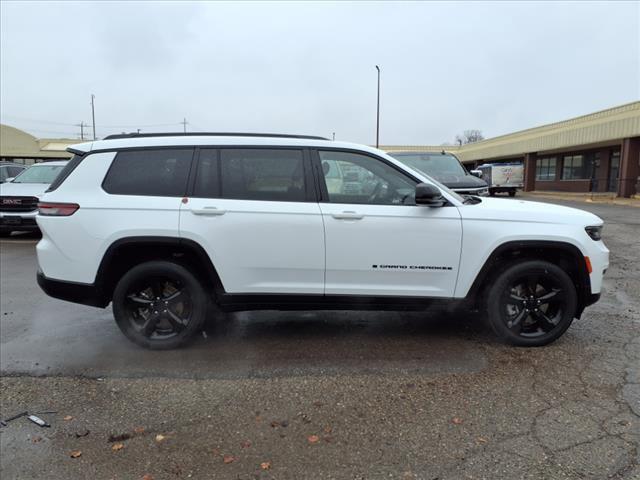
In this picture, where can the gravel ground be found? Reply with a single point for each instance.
(325, 395)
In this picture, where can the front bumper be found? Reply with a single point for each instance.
(18, 222)
(83, 293)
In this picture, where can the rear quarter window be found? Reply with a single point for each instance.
(65, 172)
(160, 172)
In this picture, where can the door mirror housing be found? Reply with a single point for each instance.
(429, 195)
(476, 173)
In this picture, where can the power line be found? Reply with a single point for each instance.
(137, 125)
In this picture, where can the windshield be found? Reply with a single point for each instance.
(434, 163)
(39, 174)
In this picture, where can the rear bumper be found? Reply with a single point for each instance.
(18, 222)
(83, 293)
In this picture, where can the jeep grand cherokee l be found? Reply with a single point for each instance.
(172, 229)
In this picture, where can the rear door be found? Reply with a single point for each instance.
(255, 212)
(378, 241)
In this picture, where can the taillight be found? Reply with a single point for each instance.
(57, 209)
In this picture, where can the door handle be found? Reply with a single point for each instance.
(208, 211)
(348, 215)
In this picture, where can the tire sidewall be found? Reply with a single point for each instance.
(161, 268)
(495, 307)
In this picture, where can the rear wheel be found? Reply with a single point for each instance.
(532, 303)
(159, 305)
(492, 192)
(512, 193)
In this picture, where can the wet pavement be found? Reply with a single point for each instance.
(325, 394)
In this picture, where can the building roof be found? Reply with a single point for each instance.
(605, 126)
(15, 143)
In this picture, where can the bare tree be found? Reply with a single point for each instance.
(469, 136)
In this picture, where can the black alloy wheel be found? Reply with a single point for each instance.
(532, 303)
(159, 305)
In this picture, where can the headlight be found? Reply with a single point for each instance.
(483, 193)
(594, 232)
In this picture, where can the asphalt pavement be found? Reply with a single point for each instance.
(353, 395)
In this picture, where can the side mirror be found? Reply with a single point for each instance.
(429, 195)
(9, 180)
(476, 173)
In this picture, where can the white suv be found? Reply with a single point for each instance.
(174, 228)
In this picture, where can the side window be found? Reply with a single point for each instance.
(14, 171)
(208, 175)
(161, 172)
(355, 178)
(4, 173)
(262, 174)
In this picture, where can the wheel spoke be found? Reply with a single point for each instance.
(176, 322)
(516, 323)
(139, 300)
(149, 325)
(518, 298)
(553, 294)
(175, 297)
(541, 316)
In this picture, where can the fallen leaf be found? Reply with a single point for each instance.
(457, 420)
(36, 439)
(68, 418)
(318, 404)
(117, 446)
(160, 438)
(82, 433)
(265, 465)
(147, 476)
(482, 440)
(313, 439)
(75, 453)
(275, 424)
(228, 459)
(245, 444)
(138, 430)
(327, 429)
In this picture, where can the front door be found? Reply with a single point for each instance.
(378, 241)
(252, 210)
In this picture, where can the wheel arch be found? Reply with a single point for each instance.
(566, 255)
(125, 253)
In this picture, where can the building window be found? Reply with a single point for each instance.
(546, 168)
(574, 168)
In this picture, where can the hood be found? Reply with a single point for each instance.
(460, 181)
(23, 189)
(525, 211)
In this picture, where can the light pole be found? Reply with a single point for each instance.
(93, 115)
(378, 111)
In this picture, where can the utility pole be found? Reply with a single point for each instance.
(81, 125)
(184, 125)
(334, 135)
(378, 111)
(93, 115)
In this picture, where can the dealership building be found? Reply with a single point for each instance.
(598, 152)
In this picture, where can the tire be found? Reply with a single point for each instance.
(160, 305)
(527, 315)
(512, 193)
(492, 192)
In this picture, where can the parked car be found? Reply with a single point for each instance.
(503, 177)
(19, 197)
(447, 169)
(173, 229)
(8, 170)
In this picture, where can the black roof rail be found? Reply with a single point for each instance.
(209, 134)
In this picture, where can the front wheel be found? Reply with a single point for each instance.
(159, 305)
(532, 303)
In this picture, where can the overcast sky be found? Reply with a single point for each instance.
(309, 68)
